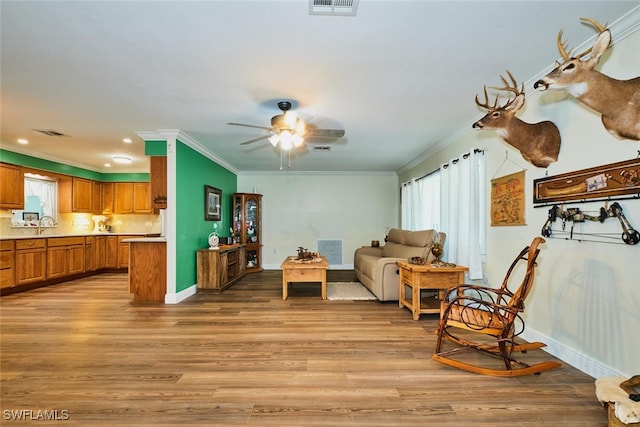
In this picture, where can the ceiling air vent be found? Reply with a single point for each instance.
(333, 7)
(50, 132)
(321, 148)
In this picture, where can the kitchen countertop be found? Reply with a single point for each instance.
(45, 236)
(157, 239)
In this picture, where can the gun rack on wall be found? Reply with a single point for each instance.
(615, 181)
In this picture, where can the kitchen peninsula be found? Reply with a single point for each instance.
(147, 268)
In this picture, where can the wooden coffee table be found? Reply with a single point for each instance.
(315, 271)
(421, 277)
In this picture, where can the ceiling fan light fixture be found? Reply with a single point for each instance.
(297, 140)
(286, 140)
(290, 119)
(274, 139)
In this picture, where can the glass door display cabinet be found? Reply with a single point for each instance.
(247, 227)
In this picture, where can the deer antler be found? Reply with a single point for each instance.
(486, 101)
(596, 24)
(562, 45)
(510, 87)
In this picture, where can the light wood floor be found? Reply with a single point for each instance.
(246, 357)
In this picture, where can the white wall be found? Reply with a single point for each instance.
(586, 300)
(298, 209)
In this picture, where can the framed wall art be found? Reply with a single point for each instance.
(212, 203)
(507, 200)
(606, 182)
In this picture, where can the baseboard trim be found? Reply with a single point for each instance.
(587, 364)
(180, 296)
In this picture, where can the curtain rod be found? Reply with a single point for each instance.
(464, 156)
(475, 150)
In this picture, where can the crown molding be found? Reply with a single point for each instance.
(164, 134)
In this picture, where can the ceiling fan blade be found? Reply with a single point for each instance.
(250, 126)
(254, 140)
(325, 133)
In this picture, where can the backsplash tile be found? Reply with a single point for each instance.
(76, 223)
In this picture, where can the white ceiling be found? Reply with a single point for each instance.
(399, 77)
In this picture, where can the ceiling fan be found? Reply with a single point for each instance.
(288, 130)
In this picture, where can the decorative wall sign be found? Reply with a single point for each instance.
(212, 203)
(606, 182)
(507, 200)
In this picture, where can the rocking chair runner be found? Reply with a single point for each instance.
(492, 312)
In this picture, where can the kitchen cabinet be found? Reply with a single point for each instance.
(117, 251)
(123, 252)
(30, 261)
(65, 256)
(7, 263)
(247, 227)
(11, 187)
(107, 190)
(89, 253)
(221, 268)
(96, 197)
(100, 244)
(75, 195)
(158, 182)
(141, 197)
(111, 256)
(41, 261)
(131, 197)
(123, 197)
(82, 195)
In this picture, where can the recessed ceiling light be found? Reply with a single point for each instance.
(127, 140)
(125, 160)
(22, 141)
(107, 165)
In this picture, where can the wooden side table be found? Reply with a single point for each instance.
(415, 278)
(293, 271)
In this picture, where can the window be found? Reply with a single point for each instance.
(452, 200)
(40, 196)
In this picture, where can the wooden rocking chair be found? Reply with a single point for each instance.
(492, 312)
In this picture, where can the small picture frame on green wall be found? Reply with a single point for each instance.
(212, 203)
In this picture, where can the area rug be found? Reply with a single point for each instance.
(348, 291)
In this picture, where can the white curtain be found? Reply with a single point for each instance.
(410, 202)
(462, 212)
(429, 191)
(420, 200)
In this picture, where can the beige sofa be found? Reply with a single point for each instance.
(376, 267)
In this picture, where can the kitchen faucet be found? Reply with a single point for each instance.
(53, 221)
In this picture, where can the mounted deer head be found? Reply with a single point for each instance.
(618, 101)
(538, 143)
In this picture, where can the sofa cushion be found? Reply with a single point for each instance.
(406, 244)
(411, 238)
(368, 264)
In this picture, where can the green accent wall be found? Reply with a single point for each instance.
(61, 168)
(155, 148)
(193, 172)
